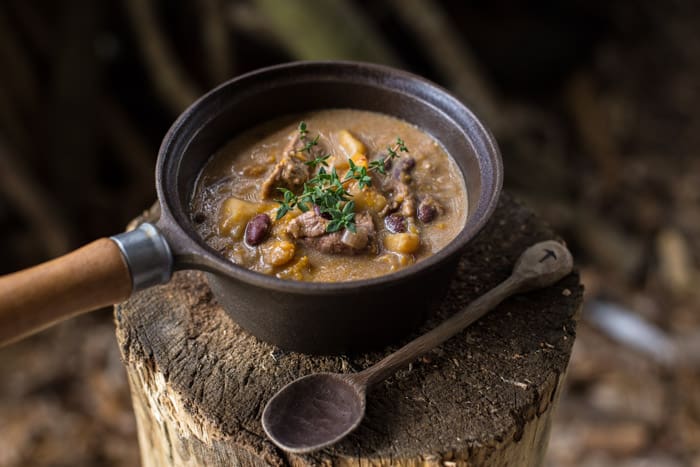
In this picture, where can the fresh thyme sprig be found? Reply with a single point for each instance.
(359, 173)
(398, 146)
(321, 160)
(302, 129)
(342, 218)
(327, 192)
(393, 151)
(310, 144)
(287, 204)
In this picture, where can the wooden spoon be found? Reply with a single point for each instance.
(321, 409)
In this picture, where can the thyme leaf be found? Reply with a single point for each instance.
(342, 216)
(378, 166)
(310, 144)
(321, 160)
(392, 151)
(358, 173)
(287, 204)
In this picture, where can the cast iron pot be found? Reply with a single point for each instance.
(302, 316)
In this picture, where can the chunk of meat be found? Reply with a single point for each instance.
(310, 229)
(291, 171)
(309, 224)
(402, 197)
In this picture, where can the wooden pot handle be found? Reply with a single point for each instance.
(91, 277)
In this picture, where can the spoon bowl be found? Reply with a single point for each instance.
(314, 412)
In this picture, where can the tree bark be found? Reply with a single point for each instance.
(199, 383)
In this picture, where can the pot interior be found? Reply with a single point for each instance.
(252, 99)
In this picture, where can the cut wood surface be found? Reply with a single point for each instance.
(199, 382)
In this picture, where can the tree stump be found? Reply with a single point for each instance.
(199, 383)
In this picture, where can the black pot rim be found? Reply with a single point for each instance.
(192, 253)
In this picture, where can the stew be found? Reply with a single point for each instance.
(332, 195)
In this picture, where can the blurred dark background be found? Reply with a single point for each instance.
(594, 104)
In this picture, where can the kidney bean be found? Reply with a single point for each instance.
(427, 212)
(257, 229)
(407, 164)
(395, 222)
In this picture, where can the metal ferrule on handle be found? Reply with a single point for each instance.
(147, 254)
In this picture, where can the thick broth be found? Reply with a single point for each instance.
(228, 195)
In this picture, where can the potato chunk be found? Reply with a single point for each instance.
(296, 270)
(351, 145)
(405, 242)
(369, 199)
(278, 252)
(235, 214)
(359, 159)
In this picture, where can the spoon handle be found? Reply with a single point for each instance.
(448, 328)
(541, 265)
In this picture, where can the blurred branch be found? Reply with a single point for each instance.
(33, 202)
(675, 264)
(170, 80)
(247, 19)
(451, 55)
(33, 25)
(594, 132)
(130, 145)
(71, 106)
(9, 120)
(536, 161)
(630, 329)
(215, 40)
(19, 89)
(17, 70)
(611, 248)
(319, 29)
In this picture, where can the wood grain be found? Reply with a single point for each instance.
(200, 383)
(91, 277)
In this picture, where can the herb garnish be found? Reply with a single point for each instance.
(310, 144)
(359, 173)
(321, 160)
(289, 202)
(344, 217)
(326, 191)
(302, 129)
(392, 153)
